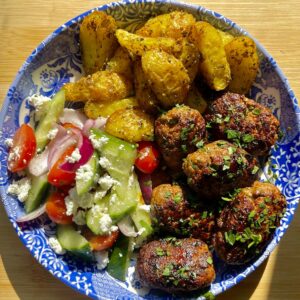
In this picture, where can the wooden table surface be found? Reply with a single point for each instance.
(25, 23)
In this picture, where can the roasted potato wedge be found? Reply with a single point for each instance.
(244, 63)
(167, 76)
(213, 66)
(120, 63)
(196, 100)
(226, 37)
(143, 92)
(102, 86)
(138, 45)
(93, 109)
(97, 40)
(131, 124)
(176, 25)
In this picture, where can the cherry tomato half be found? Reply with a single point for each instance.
(147, 158)
(100, 242)
(59, 177)
(22, 150)
(56, 208)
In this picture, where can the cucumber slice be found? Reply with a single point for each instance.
(37, 193)
(56, 107)
(120, 257)
(120, 154)
(84, 184)
(74, 242)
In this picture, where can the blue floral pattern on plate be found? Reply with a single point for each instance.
(45, 71)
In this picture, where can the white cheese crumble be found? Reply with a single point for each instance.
(121, 147)
(52, 133)
(84, 173)
(20, 188)
(113, 199)
(105, 223)
(14, 155)
(84, 201)
(104, 163)
(74, 157)
(101, 259)
(70, 206)
(145, 207)
(39, 102)
(79, 217)
(98, 143)
(131, 180)
(106, 182)
(9, 142)
(140, 232)
(56, 246)
(99, 194)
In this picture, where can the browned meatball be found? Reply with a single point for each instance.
(247, 223)
(176, 265)
(173, 214)
(177, 133)
(243, 121)
(218, 168)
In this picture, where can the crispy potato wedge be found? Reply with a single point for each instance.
(131, 124)
(138, 45)
(226, 37)
(120, 63)
(102, 86)
(196, 100)
(143, 92)
(244, 63)
(93, 109)
(213, 66)
(167, 76)
(176, 24)
(97, 40)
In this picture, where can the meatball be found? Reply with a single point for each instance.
(218, 168)
(177, 133)
(176, 265)
(175, 215)
(247, 223)
(243, 121)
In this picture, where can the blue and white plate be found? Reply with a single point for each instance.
(57, 61)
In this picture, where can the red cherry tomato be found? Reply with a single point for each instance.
(56, 208)
(101, 242)
(147, 158)
(22, 150)
(59, 177)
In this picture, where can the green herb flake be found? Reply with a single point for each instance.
(159, 251)
(168, 195)
(255, 170)
(167, 271)
(200, 144)
(226, 119)
(231, 150)
(227, 199)
(230, 238)
(232, 134)
(247, 138)
(184, 148)
(256, 111)
(177, 198)
(267, 200)
(204, 215)
(209, 260)
(251, 215)
(262, 205)
(184, 133)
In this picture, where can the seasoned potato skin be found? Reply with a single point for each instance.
(218, 168)
(236, 113)
(176, 24)
(120, 63)
(196, 100)
(175, 216)
(176, 265)
(138, 45)
(213, 66)
(243, 213)
(244, 63)
(144, 94)
(97, 40)
(102, 86)
(93, 109)
(177, 132)
(225, 36)
(131, 124)
(167, 76)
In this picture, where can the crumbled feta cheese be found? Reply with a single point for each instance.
(121, 254)
(52, 133)
(74, 157)
(105, 223)
(104, 163)
(121, 147)
(9, 142)
(141, 231)
(106, 182)
(56, 246)
(99, 194)
(84, 173)
(145, 207)
(20, 188)
(84, 201)
(39, 102)
(131, 180)
(14, 155)
(80, 217)
(98, 143)
(101, 259)
(70, 206)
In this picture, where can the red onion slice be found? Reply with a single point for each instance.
(98, 123)
(146, 186)
(39, 164)
(126, 227)
(74, 117)
(33, 215)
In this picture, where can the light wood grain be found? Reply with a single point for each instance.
(24, 24)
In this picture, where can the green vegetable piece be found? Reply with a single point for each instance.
(72, 241)
(56, 107)
(37, 193)
(119, 259)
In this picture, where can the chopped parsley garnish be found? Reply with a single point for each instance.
(255, 170)
(209, 260)
(251, 215)
(256, 111)
(177, 198)
(168, 195)
(230, 238)
(200, 144)
(184, 148)
(247, 138)
(204, 215)
(232, 134)
(185, 131)
(159, 251)
(167, 270)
